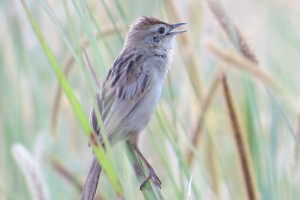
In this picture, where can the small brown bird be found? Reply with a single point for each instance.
(132, 88)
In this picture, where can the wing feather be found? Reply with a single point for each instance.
(121, 93)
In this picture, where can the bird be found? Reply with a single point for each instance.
(131, 90)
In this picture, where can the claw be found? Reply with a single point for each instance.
(144, 182)
(152, 174)
(154, 177)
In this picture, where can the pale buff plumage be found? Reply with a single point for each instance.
(132, 88)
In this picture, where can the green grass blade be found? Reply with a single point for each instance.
(79, 112)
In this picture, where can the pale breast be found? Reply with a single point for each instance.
(146, 107)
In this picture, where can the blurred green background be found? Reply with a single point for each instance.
(38, 127)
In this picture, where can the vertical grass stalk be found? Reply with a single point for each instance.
(211, 91)
(240, 144)
(79, 112)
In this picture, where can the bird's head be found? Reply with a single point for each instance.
(153, 33)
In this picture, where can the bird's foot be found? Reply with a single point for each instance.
(152, 175)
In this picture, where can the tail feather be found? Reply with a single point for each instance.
(91, 182)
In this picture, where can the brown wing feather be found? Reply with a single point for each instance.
(123, 89)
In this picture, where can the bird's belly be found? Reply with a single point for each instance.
(144, 111)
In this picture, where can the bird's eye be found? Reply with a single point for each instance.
(161, 30)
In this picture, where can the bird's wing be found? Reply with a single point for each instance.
(125, 86)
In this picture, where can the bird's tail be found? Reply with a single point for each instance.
(90, 186)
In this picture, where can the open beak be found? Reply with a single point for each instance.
(174, 26)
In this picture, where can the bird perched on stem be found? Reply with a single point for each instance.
(132, 89)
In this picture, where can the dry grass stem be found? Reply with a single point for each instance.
(231, 30)
(65, 173)
(213, 170)
(207, 99)
(296, 152)
(90, 67)
(56, 104)
(238, 61)
(238, 41)
(241, 144)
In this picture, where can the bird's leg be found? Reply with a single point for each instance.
(152, 174)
